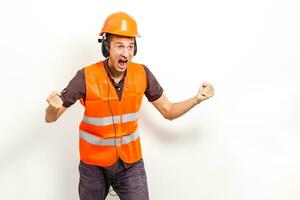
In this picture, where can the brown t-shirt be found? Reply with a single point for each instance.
(76, 88)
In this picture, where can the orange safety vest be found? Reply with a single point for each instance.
(109, 128)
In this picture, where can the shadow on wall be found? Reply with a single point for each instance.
(187, 134)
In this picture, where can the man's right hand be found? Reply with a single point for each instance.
(55, 108)
(54, 100)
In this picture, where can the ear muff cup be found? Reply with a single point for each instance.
(135, 47)
(105, 47)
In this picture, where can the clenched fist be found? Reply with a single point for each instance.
(54, 100)
(206, 91)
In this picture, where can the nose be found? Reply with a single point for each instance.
(125, 53)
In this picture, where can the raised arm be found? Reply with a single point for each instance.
(174, 110)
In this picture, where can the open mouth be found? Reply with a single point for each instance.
(123, 63)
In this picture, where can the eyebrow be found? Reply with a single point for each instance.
(123, 43)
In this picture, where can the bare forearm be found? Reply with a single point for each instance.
(180, 108)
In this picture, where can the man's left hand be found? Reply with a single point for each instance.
(206, 91)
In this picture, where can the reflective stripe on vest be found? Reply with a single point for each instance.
(108, 142)
(105, 121)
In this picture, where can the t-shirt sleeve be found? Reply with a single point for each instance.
(153, 90)
(75, 89)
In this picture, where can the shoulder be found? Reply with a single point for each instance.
(94, 70)
(93, 66)
(141, 67)
(134, 67)
(79, 76)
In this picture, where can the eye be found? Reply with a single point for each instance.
(130, 47)
(120, 46)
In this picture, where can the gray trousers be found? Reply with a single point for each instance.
(129, 181)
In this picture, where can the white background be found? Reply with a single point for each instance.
(243, 144)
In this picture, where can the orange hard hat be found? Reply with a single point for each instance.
(120, 23)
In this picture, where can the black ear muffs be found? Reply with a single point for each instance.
(135, 47)
(105, 47)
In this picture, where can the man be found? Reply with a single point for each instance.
(111, 92)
